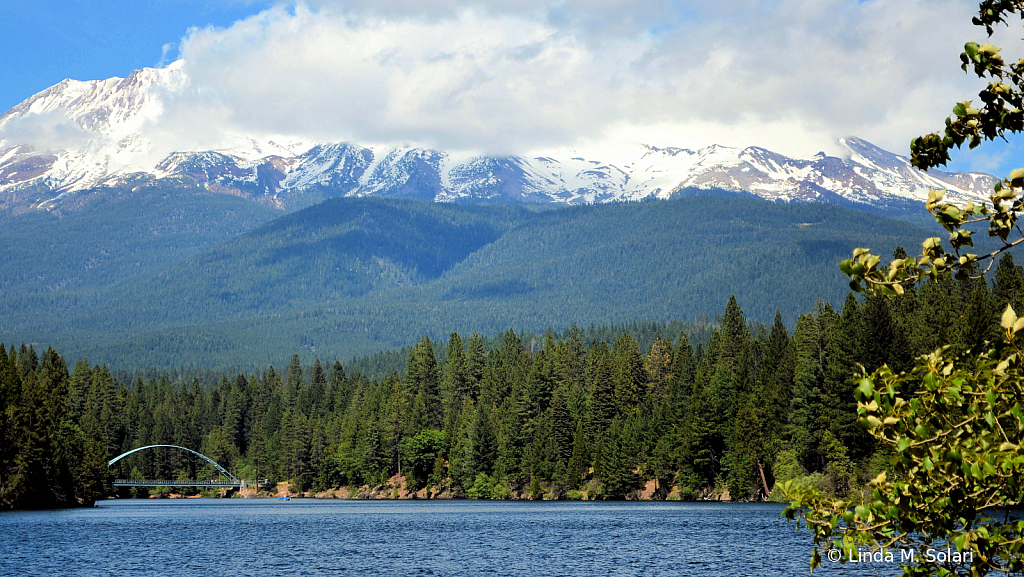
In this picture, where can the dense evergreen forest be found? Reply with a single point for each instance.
(149, 279)
(563, 416)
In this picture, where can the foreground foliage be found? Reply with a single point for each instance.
(955, 420)
(955, 424)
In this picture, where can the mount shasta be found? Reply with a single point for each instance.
(76, 136)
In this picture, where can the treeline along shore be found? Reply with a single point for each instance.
(563, 417)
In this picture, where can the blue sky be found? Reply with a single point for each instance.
(496, 76)
(43, 42)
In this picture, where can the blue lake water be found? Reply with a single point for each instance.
(263, 537)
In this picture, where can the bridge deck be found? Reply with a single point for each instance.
(173, 483)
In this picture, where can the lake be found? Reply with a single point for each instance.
(263, 537)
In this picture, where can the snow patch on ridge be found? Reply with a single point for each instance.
(80, 134)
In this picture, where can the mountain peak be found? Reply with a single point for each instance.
(80, 134)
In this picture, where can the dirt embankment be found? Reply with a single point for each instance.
(395, 488)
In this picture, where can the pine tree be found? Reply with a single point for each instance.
(630, 376)
(602, 391)
(341, 390)
(293, 386)
(317, 392)
(805, 406)
(483, 442)
(542, 378)
(561, 424)
(234, 414)
(660, 366)
(976, 327)
(455, 385)
(475, 361)
(1008, 285)
(11, 421)
(683, 383)
(580, 456)
(422, 378)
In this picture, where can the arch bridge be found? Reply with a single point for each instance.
(229, 480)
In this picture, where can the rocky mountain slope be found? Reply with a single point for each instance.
(77, 136)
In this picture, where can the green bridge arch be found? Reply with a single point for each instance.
(196, 453)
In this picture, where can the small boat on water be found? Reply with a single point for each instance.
(285, 498)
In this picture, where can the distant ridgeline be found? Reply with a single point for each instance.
(167, 277)
(562, 417)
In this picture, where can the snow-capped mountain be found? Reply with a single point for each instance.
(77, 136)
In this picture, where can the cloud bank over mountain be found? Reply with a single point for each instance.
(539, 76)
(494, 78)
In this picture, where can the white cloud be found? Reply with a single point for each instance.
(500, 77)
(504, 77)
(50, 130)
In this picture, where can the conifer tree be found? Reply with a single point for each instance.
(660, 367)
(561, 424)
(316, 405)
(10, 421)
(340, 387)
(1007, 285)
(293, 386)
(630, 376)
(396, 423)
(542, 378)
(475, 361)
(976, 328)
(578, 461)
(423, 386)
(483, 442)
(602, 391)
(455, 386)
(805, 406)
(683, 383)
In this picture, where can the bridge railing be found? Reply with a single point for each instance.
(175, 483)
(190, 483)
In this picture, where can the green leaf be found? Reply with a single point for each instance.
(866, 388)
(1017, 176)
(1009, 317)
(1017, 326)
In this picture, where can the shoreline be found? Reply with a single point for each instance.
(394, 490)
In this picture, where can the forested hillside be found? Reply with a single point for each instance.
(558, 417)
(354, 276)
(113, 235)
